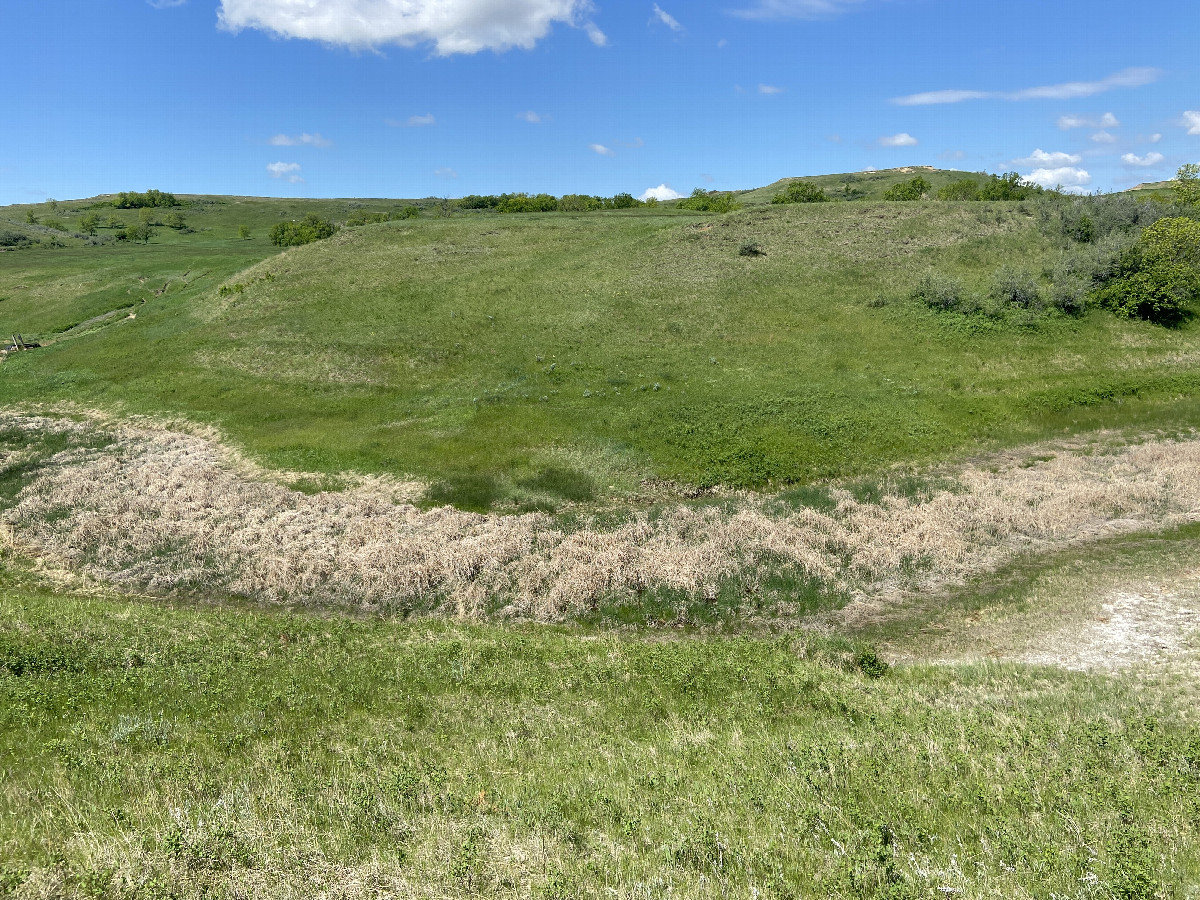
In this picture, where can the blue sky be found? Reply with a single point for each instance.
(414, 98)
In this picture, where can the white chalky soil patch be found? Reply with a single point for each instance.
(1148, 623)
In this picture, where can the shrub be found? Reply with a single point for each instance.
(1009, 186)
(579, 203)
(624, 201)
(1069, 295)
(311, 228)
(55, 224)
(751, 248)
(704, 201)
(1015, 287)
(963, 189)
(1158, 278)
(524, 203)
(409, 212)
(14, 239)
(801, 192)
(938, 292)
(915, 189)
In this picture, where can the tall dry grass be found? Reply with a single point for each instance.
(159, 509)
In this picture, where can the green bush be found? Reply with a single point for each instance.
(1187, 185)
(704, 201)
(14, 239)
(410, 212)
(1009, 186)
(1015, 287)
(963, 189)
(915, 189)
(311, 228)
(939, 292)
(801, 192)
(1158, 278)
(1069, 295)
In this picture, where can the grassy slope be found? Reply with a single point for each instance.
(219, 749)
(869, 186)
(485, 348)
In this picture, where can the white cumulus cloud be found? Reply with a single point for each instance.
(452, 26)
(1191, 121)
(1071, 179)
(290, 170)
(601, 150)
(666, 18)
(1155, 138)
(662, 192)
(1150, 159)
(300, 140)
(903, 139)
(1103, 137)
(1068, 90)
(1043, 159)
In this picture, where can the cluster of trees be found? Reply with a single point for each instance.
(709, 201)
(311, 228)
(150, 199)
(801, 192)
(519, 203)
(374, 218)
(1010, 186)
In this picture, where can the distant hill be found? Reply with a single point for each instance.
(861, 185)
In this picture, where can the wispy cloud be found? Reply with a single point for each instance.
(1191, 121)
(1040, 157)
(1155, 138)
(601, 150)
(300, 140)
(165, 4)
(903, 139)
(289, 170)
(1069, 90)
(413, 121)
(1150, 159)
(635, 144)
(453, 26)
(769, 89)
(953, 155)
(530, 116)
(1108, 120)
(662, 192)
(661, 15)
(445, 172)
(795, 9)
(1103, 137)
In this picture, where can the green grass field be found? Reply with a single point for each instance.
(257, 671)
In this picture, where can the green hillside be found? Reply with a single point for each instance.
(485, 350)
(869, 185)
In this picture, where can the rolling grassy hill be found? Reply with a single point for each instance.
(222, 680)
(488, 354)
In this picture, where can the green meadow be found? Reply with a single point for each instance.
(1026, 727)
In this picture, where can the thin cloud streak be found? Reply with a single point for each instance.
(1069, 90)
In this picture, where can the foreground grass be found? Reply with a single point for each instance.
(153, 751)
